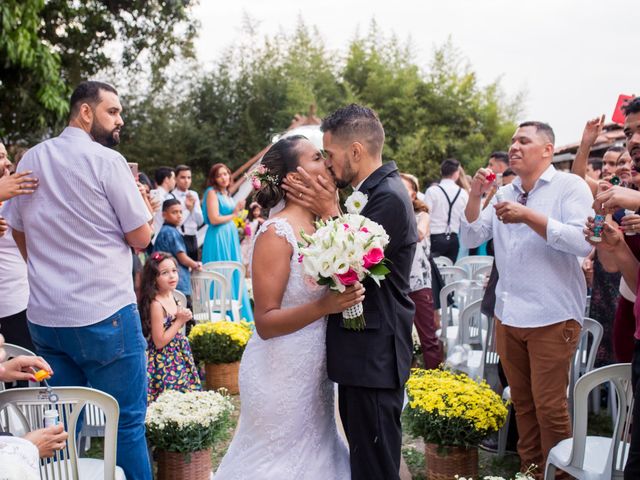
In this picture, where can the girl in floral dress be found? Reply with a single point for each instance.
(170, 364)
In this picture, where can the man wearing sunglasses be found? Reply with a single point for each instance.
(536, 224)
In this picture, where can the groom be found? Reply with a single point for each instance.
(370, 366)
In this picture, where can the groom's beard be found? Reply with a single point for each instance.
(347, 175)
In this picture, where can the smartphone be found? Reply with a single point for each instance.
(134, 169)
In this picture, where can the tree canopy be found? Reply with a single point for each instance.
(230, 112)
(48, 46)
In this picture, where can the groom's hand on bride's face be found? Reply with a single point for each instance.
(316, 194)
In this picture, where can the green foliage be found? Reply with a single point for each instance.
(49, 46)
(230, 113)
(186, 439)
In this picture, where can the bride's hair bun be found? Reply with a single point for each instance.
(279, 160)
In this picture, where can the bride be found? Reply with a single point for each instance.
(287, 426)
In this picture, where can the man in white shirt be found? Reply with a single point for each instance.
(165, 178)
(536, 224)
(446, 203)
(191, 210)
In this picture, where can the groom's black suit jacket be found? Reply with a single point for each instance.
(380, 356)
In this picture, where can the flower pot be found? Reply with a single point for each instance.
(444, 463)
(223, 375)
(179, 466)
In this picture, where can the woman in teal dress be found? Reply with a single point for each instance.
(222, 242)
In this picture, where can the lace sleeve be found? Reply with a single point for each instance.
(282, 228)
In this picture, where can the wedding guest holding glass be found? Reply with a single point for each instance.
(536, 224)
(222, 243)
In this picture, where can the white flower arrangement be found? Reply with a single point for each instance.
(187, 422)
(528, 475)
(356, 202)
(344, 251)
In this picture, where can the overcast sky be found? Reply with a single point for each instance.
(573, 58)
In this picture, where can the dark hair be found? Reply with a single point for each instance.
(501, 157)
(596, 163)
(87, 92)
(168, 203)
(545, 128)
(357, 123)
(144, 179)
(418, 205)
(182, 168)
(149, 289)
(449, 167)
(213, 173)
(632, 106)
(280, 159)
(161, 173)
(616, 149)
(508, 173)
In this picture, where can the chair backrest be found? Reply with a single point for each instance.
(471, 325)
(491, 357)
(474, 262)
(234, 272)
(209, 296)
(453, 274)
(14, 351)
(586, 351)
(619, 378)
(443, 262)
(463, 292)
(30, 404)
(481, 274)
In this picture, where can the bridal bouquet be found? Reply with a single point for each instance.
(343, 251)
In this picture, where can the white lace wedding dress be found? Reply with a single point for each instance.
(287, 426)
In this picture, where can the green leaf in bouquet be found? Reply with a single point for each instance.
(379, 270)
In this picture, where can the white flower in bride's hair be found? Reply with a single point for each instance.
(356, 202)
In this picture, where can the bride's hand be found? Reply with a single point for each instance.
(336, 302)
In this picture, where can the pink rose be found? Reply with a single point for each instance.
(255, 182)
(300, 258)
(247, 230)
(364, 229)
(348, 278)
(372, 257)
(346, 226)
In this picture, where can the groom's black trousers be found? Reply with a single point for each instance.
(371, 420)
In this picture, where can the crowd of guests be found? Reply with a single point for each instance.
(106, 222)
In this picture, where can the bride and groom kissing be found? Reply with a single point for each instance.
(287, 427)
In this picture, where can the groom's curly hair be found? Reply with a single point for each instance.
(356, 123)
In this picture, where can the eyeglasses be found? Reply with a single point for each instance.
(522, 198)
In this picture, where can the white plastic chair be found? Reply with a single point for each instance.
(482, 273)
(453, 274)
(234, 272)
(209, 296)
(474, 262)
(464, 292)
(581, 364)
(443, 262)
(589, 457)
(586, 352)
(11, 351)
(472, 334)
(30, 404)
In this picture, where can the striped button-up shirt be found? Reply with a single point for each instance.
(79, 264)
(541, 282)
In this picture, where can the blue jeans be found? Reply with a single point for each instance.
(108, 356)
